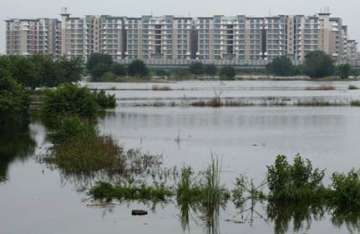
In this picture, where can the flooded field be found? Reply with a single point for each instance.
(37, 200)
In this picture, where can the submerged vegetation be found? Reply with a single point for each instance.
(106, 191)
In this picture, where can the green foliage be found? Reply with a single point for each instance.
(227, 73)
(106, 191)
(71, 128)
(343, 71)
(318, 64)
(14, 105)
(346, 190)
(355, 103)
(294, 182)
(69, 100)
(86, 154)
(98, 64)
(138, 68)
(118, 69)
(281, 66)
(210, 70)
(100, 71)
(41, 70)
(105, 100)
(108, 77)
(196, 68)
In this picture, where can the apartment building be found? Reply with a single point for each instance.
(33, 36)
(181, 40)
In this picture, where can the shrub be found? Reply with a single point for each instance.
(346, 190)
(86, 154)
(73, 127)
(69, 100)
(105, 100)
(294, 182)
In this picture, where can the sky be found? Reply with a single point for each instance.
(349, 10)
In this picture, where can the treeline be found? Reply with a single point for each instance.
(101, 67)
(317, 64)
(41, 70)
(20, 76)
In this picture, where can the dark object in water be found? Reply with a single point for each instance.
(139, 212)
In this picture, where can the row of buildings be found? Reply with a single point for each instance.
(181, 40)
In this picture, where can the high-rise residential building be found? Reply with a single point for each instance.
(33, 36)
(181, 40)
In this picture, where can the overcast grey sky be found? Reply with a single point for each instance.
(349, 10)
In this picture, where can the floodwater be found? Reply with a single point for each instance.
(37, 200)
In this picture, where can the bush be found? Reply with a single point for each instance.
(346, 190)
(227, 73)
(73, 127)
(281, 66)
(138, 68)
(69, 100)
(318, 64)
(14, 105)
(105, 100)
(87, 154)
(296, 182)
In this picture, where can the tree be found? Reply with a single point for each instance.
(14, 105)
(211, 70)
(196, 68)
(343, 70)
(98, 71)
(281, 66)
(97, 58)
(227, 73)
(138, 68)
(118, 69)
(318, 64)
(98, 64)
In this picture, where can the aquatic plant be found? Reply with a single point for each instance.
(346, 190)
(355, 103)
(353, 87)
(107, 192)
(294, 182)
(105, 100)
(321, 87)
(160, 88)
